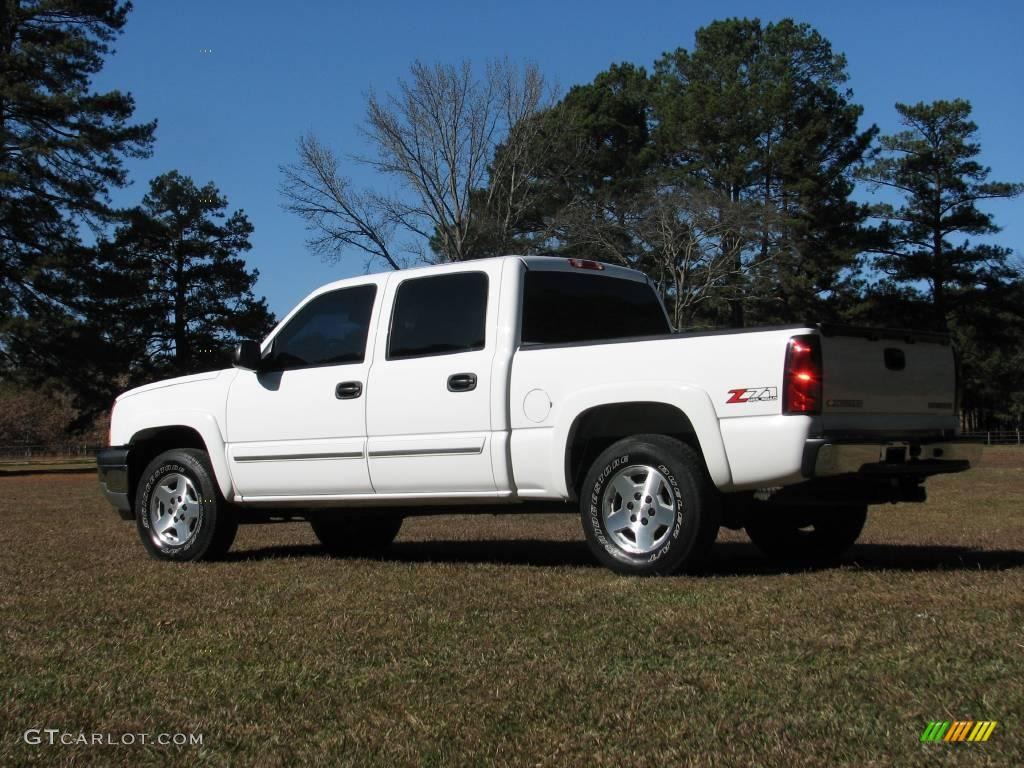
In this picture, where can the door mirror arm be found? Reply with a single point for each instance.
(247, 356)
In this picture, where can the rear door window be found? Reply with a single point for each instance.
(439, 315)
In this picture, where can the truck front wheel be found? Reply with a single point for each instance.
(806, 533)
(346, 533)
(180, 513)
(648, 507)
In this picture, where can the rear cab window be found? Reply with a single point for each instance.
(561, 307)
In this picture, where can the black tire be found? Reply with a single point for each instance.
(680, 537)
(806, 534)
(356, 534)
(208, 522)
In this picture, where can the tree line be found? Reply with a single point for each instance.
(736, 172)
(95, 299)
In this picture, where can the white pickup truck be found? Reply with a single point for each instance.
(526, 381)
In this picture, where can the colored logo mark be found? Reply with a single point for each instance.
(959, 730)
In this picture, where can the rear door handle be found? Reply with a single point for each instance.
(348, 390)
(895, 359)
(462, 382)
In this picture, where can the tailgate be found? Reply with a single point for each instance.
(887, 380)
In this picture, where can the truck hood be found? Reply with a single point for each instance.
(176, 382)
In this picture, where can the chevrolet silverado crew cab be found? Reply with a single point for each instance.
(529, 383)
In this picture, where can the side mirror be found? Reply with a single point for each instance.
(247, 356)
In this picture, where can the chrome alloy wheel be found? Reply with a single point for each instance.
(174, 511)
(638, 509)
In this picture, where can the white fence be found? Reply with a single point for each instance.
(996, 436)
(61, 450)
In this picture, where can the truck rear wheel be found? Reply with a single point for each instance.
(353, 534)
(180, 513)
(807, 533)
(648, 507)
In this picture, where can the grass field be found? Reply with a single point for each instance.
(496, 640)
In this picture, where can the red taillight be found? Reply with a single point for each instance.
(801, 382)
(585, 264)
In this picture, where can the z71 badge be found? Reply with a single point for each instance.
(753, 395)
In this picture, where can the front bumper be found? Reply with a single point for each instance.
(827, 458)
(112, 464)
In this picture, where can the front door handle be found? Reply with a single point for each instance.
(462, 382)
(348, 390)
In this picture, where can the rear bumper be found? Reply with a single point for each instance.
(112, 464)
(827, 458)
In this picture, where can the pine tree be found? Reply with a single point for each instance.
(933, 167)
(760, 113)
(62, 148)
(171, 286)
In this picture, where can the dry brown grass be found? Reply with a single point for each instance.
(495, 640)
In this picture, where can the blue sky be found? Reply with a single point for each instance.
(277, 70)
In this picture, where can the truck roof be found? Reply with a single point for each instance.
(539, 263)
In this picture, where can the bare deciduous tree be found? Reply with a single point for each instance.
(700, 245)
(694, 242)
(337, 215)
(436, 136)
(33, 416)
